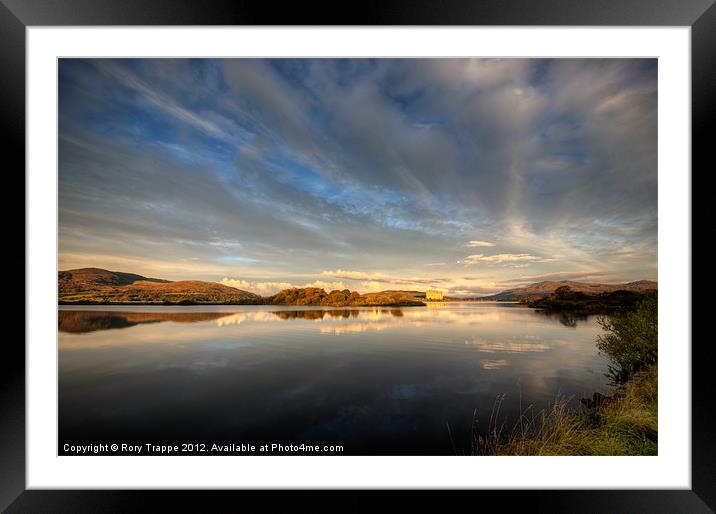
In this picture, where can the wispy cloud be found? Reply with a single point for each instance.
(501, 258)
(164, 102)
(270, 288)
(272, 171)
(383, 278)
(356, 275)
(562, 275)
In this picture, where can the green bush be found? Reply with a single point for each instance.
(630, 339)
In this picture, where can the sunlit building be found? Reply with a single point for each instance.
(433, 295)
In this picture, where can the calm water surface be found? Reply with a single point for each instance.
(374, 380)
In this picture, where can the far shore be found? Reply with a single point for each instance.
(198, 304)
(64, 303)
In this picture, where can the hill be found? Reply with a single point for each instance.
(100, 286)
(94, 285)
(569, 304)
(393, 295)
(546, 288)
(88, 278)
(345, 298)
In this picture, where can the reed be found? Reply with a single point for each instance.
(626, 423)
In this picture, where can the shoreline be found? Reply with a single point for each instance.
(220, 304)
(622, 423)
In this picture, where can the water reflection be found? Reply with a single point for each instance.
(507, 346)
(568, 319)
(89, 321)
(317, 314)
(378, 380)
(494, 363)
(82, 321)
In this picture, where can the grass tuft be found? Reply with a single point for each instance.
(625, 425)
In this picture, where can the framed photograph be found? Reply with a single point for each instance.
(424, 248)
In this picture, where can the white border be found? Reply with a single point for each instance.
(671, 469)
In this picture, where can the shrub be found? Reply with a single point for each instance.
(564, 293)
(630, 339)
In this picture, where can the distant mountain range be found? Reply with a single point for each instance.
(95, 285)
(542, 289)
(100, 286)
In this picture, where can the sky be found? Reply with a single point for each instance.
(469, 176)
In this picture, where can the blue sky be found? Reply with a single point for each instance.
(466, 175)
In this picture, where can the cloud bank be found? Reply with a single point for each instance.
(278, 171)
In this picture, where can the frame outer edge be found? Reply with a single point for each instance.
(370, 12)
(703, 126)
(12, 367)
(12, 102)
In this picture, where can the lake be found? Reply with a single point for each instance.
(376, 381)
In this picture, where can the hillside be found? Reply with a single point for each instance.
(99, 286)
(581, 304)
(94, 285)
(316, 296)
(85, 279)
(405, 296)
(546, 288)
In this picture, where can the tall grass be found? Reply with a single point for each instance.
(626, 423)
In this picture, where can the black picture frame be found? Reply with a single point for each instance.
(17, 15)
